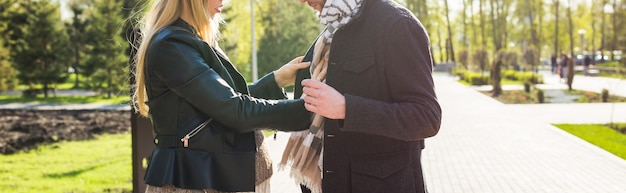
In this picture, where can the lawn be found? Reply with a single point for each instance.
(599, 135)
(100, 165)
(66, 99)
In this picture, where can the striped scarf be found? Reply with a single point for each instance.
(336, 14)
(304, 150)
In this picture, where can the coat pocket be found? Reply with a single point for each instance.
(358, 64)
(383, 173)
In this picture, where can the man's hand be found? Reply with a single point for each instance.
(286, 74)
(323, 99)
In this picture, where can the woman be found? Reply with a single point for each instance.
(203, 115)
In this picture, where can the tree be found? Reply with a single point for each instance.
(8, 74)
(107, 59)
(41, 56)
(236, 35)
(481, 59)
(531, 57)
(464, 58)
(289, 29)
(496, 74)
(570, 62)
(499, 13)
(76, 32)
(450, 37)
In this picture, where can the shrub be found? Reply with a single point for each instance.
(540, 96)
(509, 74)
(529, 77)
(605, 95)
(476, 79)
(527, 87)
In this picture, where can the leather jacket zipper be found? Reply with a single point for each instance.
(193, 132)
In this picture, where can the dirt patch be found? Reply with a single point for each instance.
(25, 129)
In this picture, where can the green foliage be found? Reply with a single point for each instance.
(481, 59)
(100, 165)
(107, 62)
(76, 32)
(463, 58)
(66, 99)
(531, 57)
(540, 96)
(289, 29)
(529, 77)
(40, 50)
(8, 74)
(510, 74)
(605, 95)
(588, 96)
(474, 78)
(599, 135)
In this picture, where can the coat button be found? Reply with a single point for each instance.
(329, 171)
(330, 136)
(333, 63)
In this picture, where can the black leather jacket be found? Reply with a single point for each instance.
(189, 82)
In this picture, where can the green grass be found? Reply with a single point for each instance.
(599, 135)
(100, 165)
(502, 82)
(66, 99)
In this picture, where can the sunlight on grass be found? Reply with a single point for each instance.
(100, 165)
(599, 135)
(66, 99)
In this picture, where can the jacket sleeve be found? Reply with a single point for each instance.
(186, 73)
(413, 112)
(267, 88)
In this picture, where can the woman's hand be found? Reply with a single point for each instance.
(286, 74)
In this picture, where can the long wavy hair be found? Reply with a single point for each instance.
(161, 14)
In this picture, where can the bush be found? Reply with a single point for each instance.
(529, 77)
(476, 79)
(31, 93)
(605, 95)
(540, 96)
(459, 72)
(509, 74)
(527, 87)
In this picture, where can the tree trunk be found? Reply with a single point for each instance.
(556, 28)
(570, 62)
(450, 37)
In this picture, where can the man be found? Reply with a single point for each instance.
(587, 63)
(371, 81)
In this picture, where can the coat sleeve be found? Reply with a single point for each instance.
(413, 112)
(184, 71)
(267, 88)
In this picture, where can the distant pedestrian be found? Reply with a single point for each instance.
(553, 64)
(563, 65)
(587, 63)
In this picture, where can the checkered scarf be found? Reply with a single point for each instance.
(336, 14)
(304, 150)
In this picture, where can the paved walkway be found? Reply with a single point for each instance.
(485, 146)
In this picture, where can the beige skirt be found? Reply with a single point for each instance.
(262, 188)
(263, 173)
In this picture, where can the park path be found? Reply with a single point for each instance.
(485, 146)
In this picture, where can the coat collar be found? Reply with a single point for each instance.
(186, 26)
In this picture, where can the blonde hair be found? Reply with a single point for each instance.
(161, 14)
